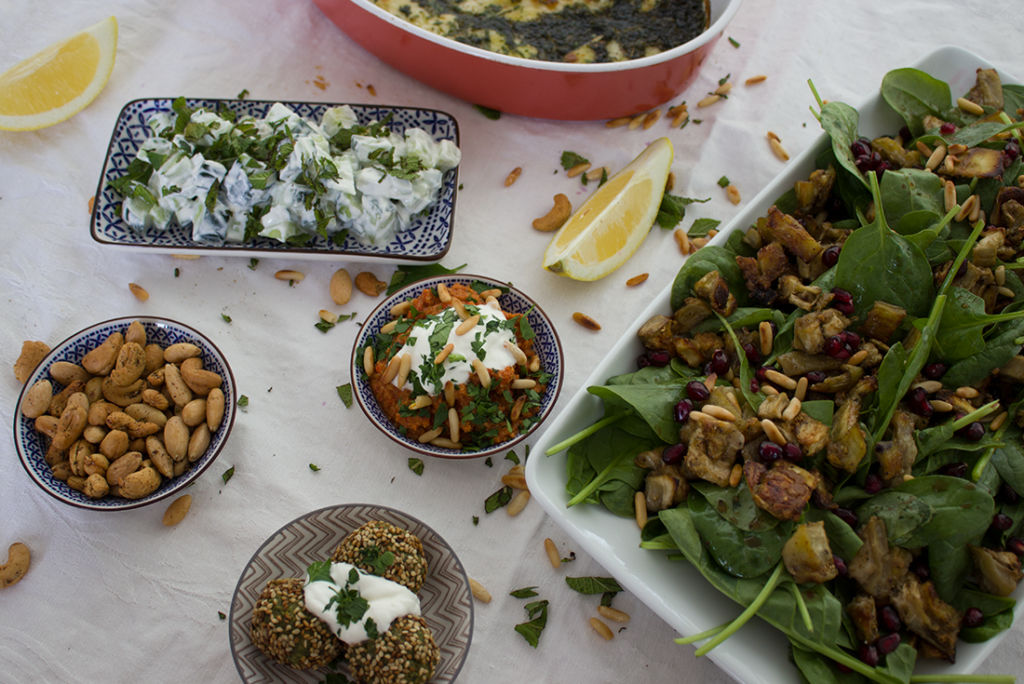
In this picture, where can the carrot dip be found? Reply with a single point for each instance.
(455, 370)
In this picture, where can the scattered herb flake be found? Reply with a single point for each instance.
(177, 272)
(511, 456)
(416, 465)
(225, 318)
(735, 43)
(701, 227)
(530, 630)
(724, 182)
(323, 326)
(253, 262)
(607, 597)
(243, 402)
(593, 585)
(571, 159)
(724, 79)
(221, 615)
(488, 462)
(673, 209)
(244, 93)
(476, 519)
(492, 114)
(345, 393)
(525, 592)
(498, 499)
(379, 561)
(404, 275)
(228, 474)
(314, 467)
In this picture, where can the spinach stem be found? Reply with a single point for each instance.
(979, 467)
(749, 612)
(976, 414)
(583, 434)
(844, 658)
(961, 255)
(593, 485)
(802, 606)
(703, 635)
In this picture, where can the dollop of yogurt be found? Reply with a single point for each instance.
(387, 601)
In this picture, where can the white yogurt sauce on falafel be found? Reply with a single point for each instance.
(387, 601)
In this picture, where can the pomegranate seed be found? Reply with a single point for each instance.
(840, 564)
(769, 452)
(1008, 494)
(868, 654)
(847, 516)
(1011, 150)
(697, 390)
(888, 643)
(836, 348)
(755, 386)
(973, 431)
(643, 361)
(842, 300)
(905, 134)
(673, 454)
(956, 469)
(752, 353)
(921, 569)
(1016, 545)
(682, 410)
(872, 483)
(919, 403)
(759, 373)
(890, 619)
(659, 357)
(934, 371)
(861, 147)
(947, 128)
(814, 377)
(830, 257)
(720, 362)
(793, 452)
(1002, 522)
(851, 338)
(973, 617)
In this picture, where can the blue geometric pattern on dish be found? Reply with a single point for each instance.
(428, 238)
(546, 344)
(32, 446)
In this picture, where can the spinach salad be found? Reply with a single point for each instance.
(828, 424)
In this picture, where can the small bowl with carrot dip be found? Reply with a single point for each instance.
(457, 366)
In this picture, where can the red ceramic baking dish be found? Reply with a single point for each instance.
(550, 90)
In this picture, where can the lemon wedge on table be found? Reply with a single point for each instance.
(609, 226)
(60, 81)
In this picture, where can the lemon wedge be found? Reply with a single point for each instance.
(60, 81)
(609, 226)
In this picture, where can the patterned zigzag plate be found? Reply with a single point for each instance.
(447, 604)
(427, 239)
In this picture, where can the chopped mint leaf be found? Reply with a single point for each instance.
(345, 393)
(592, 585)
(319, 571)
(253, 263)
(492, 114)
(243, 402)
(225, 318)
(701, 227)
(735, 43)
(228, 474)
(416, 465)
(531, 630)
(724, 182)
(525, 592)
(571, 159)
(314, 467)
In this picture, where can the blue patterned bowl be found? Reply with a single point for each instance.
(427, 239)
(32, 446)
(546, 344)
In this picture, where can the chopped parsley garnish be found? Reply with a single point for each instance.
(488, 462)
(511, 456)
(571, 159)
(378, 560)
(492, 114)
(724, 79)
(225, 318)
(416, 465)
(345, 394)
(476, 519)
(735, 43)
(243, 402)
(242, 94)
(724, 182)
(228, 474)
(405, 275)
(221, 615)
(314, 467)
(350, 606)
(253, 263)
(177, 272)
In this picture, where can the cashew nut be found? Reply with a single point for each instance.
(558, 215)
(18, 558)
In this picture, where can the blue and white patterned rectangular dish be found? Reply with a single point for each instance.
(427, 239)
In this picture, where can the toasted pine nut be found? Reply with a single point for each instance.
(772, 431)
(1000, 274)
(858, 357)
(940, 406)
(636, 280)
(534, 364)
(949, 194)
(139, 291)
(679, 118)
(777, 149)
(613, 614)
(929, 386)
(517, 408)
(966, 207)
(967, 392)
(602, 629)
(637, 120)
(710, 380)
(513, 175)
(586, 321)
(732, 193)
(421, 401)
(552, 551)
(518, 502)
(392, 370)
(709, 100)
(445, 443)
(479, 593)
(443, 294)
(449, 393)
(186, 257)
(492, 301)
(595, 174)
(481, 372)
(467, 325)
(769, 390)
(640, 509)
(493, 292)
(976, 212)
(514, 480)
(577, 170)
(754, 80)
(792, 410)
(723, 89)
(331, 317)
(957, 148)
(698, 242)
(617, 122)
(459, 307)
(923, 149)
(289, 274)
(682, 240)
(387, 328)
(719, 413)
(400, 309)
(998, 421)
(767, 337)
(651, 118)
(453, 424)
(777, 378)
(368, 362)
(517, 353)
(735, 475)
(970, 107)
(403, 369)
(430, 435)
(801, 388)
(523, 383)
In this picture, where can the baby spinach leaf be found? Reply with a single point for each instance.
(742, 317)
(991, 626)
(1008, 459)
(653, 403)
(821, 410)
(949, 572)
(707, 259)
(961, 332)
(607, 455)
(914, 95)
(902, 513)
(908, 190)
(960, 509)
(839, 120)
(736, 506)
(741, 553)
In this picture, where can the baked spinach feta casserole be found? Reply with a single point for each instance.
(828, 423)
(581, 31)
(360, 608)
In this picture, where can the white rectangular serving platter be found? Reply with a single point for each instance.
(426, 240)
(674, 589)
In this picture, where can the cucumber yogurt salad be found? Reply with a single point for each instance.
(283, 177)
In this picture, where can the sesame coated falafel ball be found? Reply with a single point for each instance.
(286, 632)
(367, 547)
(405, 654)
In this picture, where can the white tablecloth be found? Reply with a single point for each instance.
(119, 597)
